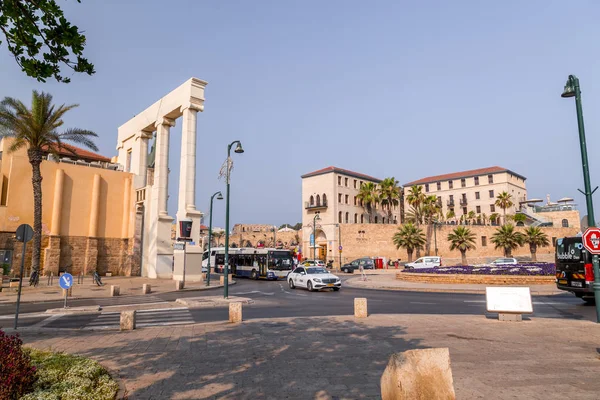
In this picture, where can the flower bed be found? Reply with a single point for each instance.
(528, 269)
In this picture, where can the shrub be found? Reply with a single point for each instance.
(18, 375)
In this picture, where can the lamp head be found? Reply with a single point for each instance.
(569, 90)
(317, 217)
(219, 196)
(238, 148)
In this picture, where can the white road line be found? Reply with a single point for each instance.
(254, 292)
(420, 302)
(136, 304)
(47, 321)
(146, 311)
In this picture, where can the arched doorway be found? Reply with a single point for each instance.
(321, 245)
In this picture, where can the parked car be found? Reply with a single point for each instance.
(366, 263)
(313, 263)
(424, 262)
(505, 261)
(313, 278)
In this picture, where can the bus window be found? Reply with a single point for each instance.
(220, 259)
(204, 255)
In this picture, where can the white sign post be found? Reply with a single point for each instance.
(509, 302)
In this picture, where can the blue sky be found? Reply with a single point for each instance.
(386, 88)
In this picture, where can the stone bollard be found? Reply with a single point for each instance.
(69, 292)
(127, 320)
(418, 374)
(221, 280)
(235, 312)
(360, 307)
(178, 285)
(115, 290)
(146, 288)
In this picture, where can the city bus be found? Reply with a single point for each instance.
(251, 263)
(574, 270)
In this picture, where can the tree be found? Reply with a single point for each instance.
(450, 215)
(462, 239)
(507, 239)
(390, 195)
(484, 219)
(519, 219)
(369, 196)
(410, 237)
(37, 130)
(42, 40)
(471, 217)
(494, 218)
(298, 226)
(504, 201)
(430, 208)
(535, 238)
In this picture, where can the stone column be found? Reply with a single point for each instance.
(126, 208)
(57, 202)
(161, 165)
(91, 255)
(93, 227)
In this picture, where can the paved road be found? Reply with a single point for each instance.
(276, 299)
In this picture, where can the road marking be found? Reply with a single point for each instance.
(534, 302)
(154, 317)
(420, 302)
(254, 292)
(134, 304)
(47, 321)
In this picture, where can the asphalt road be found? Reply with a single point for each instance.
(276, 299)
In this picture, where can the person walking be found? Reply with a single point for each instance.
(363, 276)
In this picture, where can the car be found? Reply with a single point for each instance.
(424, 262)
(204, 269)
(312, 263)
(505, 261)
(313, 278)
(366, 263)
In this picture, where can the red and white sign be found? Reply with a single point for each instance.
(591, 240)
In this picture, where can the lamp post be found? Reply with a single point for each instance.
(572, 89)
(219, 197)
(340, 243)
(314, 241)
(238, 150)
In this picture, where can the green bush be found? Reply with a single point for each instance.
(5, 268)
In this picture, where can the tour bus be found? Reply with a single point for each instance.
(574, 271)
(250, 262)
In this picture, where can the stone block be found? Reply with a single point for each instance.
(418, 374)
(115, 290)
(178, 285)
(235, 312)
(146, 288)
(13, 284)
(127, 320)
(221, 280)
(510, 317)
(360, 307)
(70, 292)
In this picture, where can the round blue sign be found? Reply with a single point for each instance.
(66, 281)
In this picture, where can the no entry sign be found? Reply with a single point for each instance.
(591, 240)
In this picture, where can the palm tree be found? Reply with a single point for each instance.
(369, 196)
(410, 237)
(37, 130)
(390, 194)
(471, 217)
(462, 239)
(504, 201)
(507, 238)
(430, 208)
(450, 215)
(519, 218)
(535, 237)
(484, 219)
(415, 197)
(494, 218)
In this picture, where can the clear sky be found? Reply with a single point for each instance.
(386, 88)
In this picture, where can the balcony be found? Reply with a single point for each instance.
(450, 203)
(463, 202)
(315, 206)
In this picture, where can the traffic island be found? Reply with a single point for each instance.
(475, 279)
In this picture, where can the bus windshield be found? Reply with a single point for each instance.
(280, 260)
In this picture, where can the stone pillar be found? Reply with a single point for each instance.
(126, 208)
(93, 226)
(52, 255)
(235, 312)
(91, 255)
(360, 307)
(161, 164)
(115, 290)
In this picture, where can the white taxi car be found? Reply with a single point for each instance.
(313, 278)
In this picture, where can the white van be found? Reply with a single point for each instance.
(425, 262)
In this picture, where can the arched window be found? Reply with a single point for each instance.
(340, 217)
(376, 219)
(565, 223)
(355, 218)
(383, 220)
(318, 200)
(395, 220)
(312, 201)
(362, 219)
(324, 199)
(347, 218)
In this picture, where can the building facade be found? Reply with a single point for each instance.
(332, 194)
(474, 190)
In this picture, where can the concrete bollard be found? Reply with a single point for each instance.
(68, 291)
(221, 280)
(178, 285)
(127, 322)
(146, 288)
(418, 374)
(360, 307)
(235, 312)
(115, 290)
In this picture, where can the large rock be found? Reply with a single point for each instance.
(418, 375)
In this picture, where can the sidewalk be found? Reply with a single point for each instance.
(340, 357)
(129, 286)
(389, 282)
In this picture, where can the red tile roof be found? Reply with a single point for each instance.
(341, 171)
(463, 174)
(78, 152)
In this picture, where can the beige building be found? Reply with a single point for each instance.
(475, 190)
(332, 193)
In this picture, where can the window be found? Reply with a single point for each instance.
(355, 218)
(478, 208)
(383, 220)
(476, 180)
(476, 195)
(354, 200)
(565, 223)
(483, 241)
(463, 182)
(395, 220)
(347, 219)
(492, 208)
(340, 180)
(362, 219)
(312, 201)
(490, 178)
(340, 198)
(450, 185)
(318, 200)
(347, 199)
(355, 184)
(376, 219)
(427, 187)
(491, 194)
(451, 198)
(324, 199)
(439, 185)
(346, 182)
(128, 161)
(361, 183)
(465, 210)
(340, 217)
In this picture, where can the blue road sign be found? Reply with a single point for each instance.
(312, 239)
(66, 281)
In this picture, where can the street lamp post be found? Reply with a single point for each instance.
(219, 197)
(572, 89)
(238, 150)
(314, 243)
(340, 243)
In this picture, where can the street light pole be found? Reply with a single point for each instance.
(314, 243)
(572, 89)
(219, 197)
(340, 243)
(238, 150)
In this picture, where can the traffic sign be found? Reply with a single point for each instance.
(66, 281)
(591, 240)
(24, 233)
(340, 248)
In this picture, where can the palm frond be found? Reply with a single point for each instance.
(80, 136)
